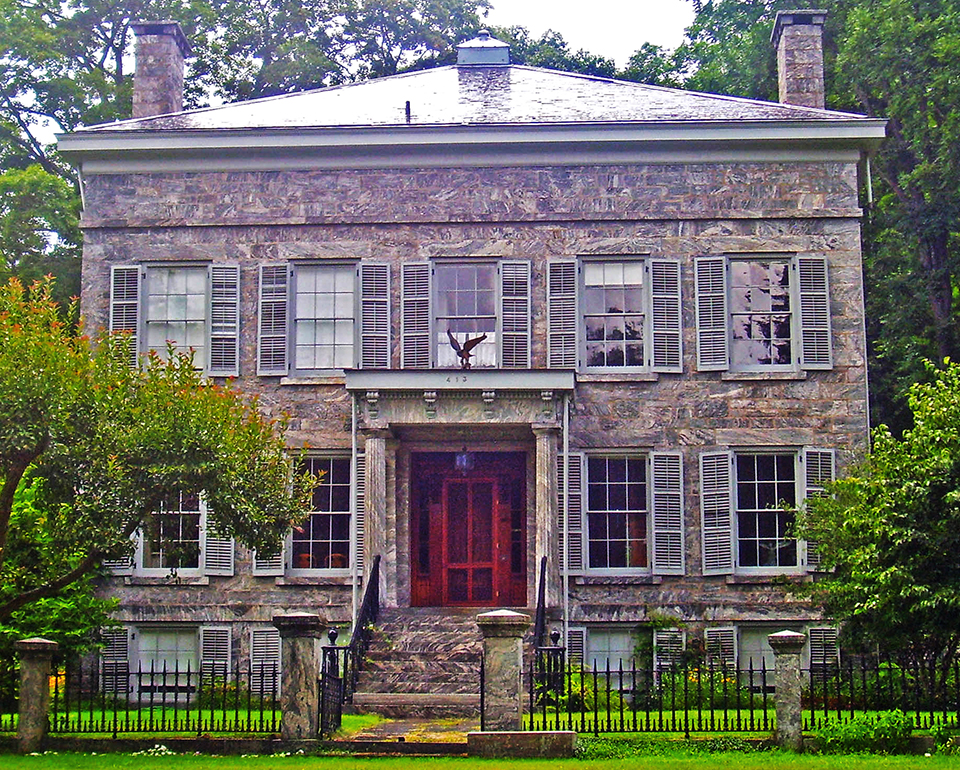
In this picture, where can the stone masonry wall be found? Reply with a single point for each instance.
(677, 212)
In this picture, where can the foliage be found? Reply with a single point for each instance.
(111, 442)
(552, 52)
(700, 687)
(889, 533)
(623, 747)
(887, 732)
(581, 690)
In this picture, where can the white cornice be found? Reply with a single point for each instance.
(103, 151)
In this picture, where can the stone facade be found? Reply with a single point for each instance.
(794, 204)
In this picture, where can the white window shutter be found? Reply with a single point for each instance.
(576, 644)
(667, 512)
(575, 532)
(562, 314)
(125, 305)
(272, 333)
(271, 566)
(224, 320)
(824, 648)
(515, 314)
(374, 315)
(716, 511)
(668, 646)
(215, 651)
(265, 661)
(816, 350)
(819, 467)
(217, 552)
(121, 566)
(713, 321)
(666, 326)
(721, 646)
(360, 512)
(415, 316)
(115, 660)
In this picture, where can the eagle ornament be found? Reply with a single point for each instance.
(463, 351)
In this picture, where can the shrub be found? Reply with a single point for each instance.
(886, 733)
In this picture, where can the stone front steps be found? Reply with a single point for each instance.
(422, 662)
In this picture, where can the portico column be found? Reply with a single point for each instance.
(547, 536)
(375, 497)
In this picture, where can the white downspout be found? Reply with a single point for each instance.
(354, 561)
(566, 516)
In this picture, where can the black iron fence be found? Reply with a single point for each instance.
(214, 699)
(9, 695)
(715, 697)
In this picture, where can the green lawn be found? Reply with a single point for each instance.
(677, 761)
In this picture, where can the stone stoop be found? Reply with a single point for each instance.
(422, 662)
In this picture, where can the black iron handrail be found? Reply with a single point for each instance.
(540, 620)
(362, 631)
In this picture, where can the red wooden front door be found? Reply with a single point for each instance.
(467, 531)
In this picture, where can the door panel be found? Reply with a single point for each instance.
(468, 538)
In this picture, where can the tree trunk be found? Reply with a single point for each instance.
(935, 261)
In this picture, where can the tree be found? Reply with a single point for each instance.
(552, 52)
(112, 442)
(889, 535)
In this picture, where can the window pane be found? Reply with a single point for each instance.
(612, 305)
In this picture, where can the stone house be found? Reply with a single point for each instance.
(663, 294)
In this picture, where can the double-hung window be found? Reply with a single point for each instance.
(763, 313)
(614, 314)
(323, 317)
(625, 513)
(188, 308)
(177, 539)
(322, 541)
(481, 303)
(747, 500)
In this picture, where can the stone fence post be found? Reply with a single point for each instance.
(300, 634)
(503, 668)
(33, 724)
(787, 646)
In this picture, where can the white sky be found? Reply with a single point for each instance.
(611, 28)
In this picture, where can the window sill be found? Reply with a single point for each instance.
(768, 376)
(618, 580)
(166, 580)
(767, 580)
(619, 377)
(328, 379)
(314, 580)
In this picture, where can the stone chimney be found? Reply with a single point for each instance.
(798, 40)
(158, 78)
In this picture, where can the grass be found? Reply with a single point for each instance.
(676, 758)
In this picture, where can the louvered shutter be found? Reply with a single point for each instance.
(265, 662)
(716, 511)
(224, 320)
(824, 649)
(121, 566)
(125, 306)
(562, 315)
(515, 314)
(713, 320)
(576, 644)
(374, 315)
(721, 645)
(415, 316)
(819, 467)
(668, 644)
(666, 326)
(360, 512)
(575, 562)
(272, 334)
(115, 661)
(667, 513)
(217, 552)
(271, 566)
(816, 350)
(214, 651)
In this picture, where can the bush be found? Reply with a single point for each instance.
(578, 693)
(886, 733)
(701, 688)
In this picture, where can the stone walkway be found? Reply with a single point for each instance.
(453, 730)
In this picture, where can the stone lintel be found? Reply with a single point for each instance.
(787, 642)
(35, 647)
(296, 625)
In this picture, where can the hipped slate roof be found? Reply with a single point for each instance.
(472, 95)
